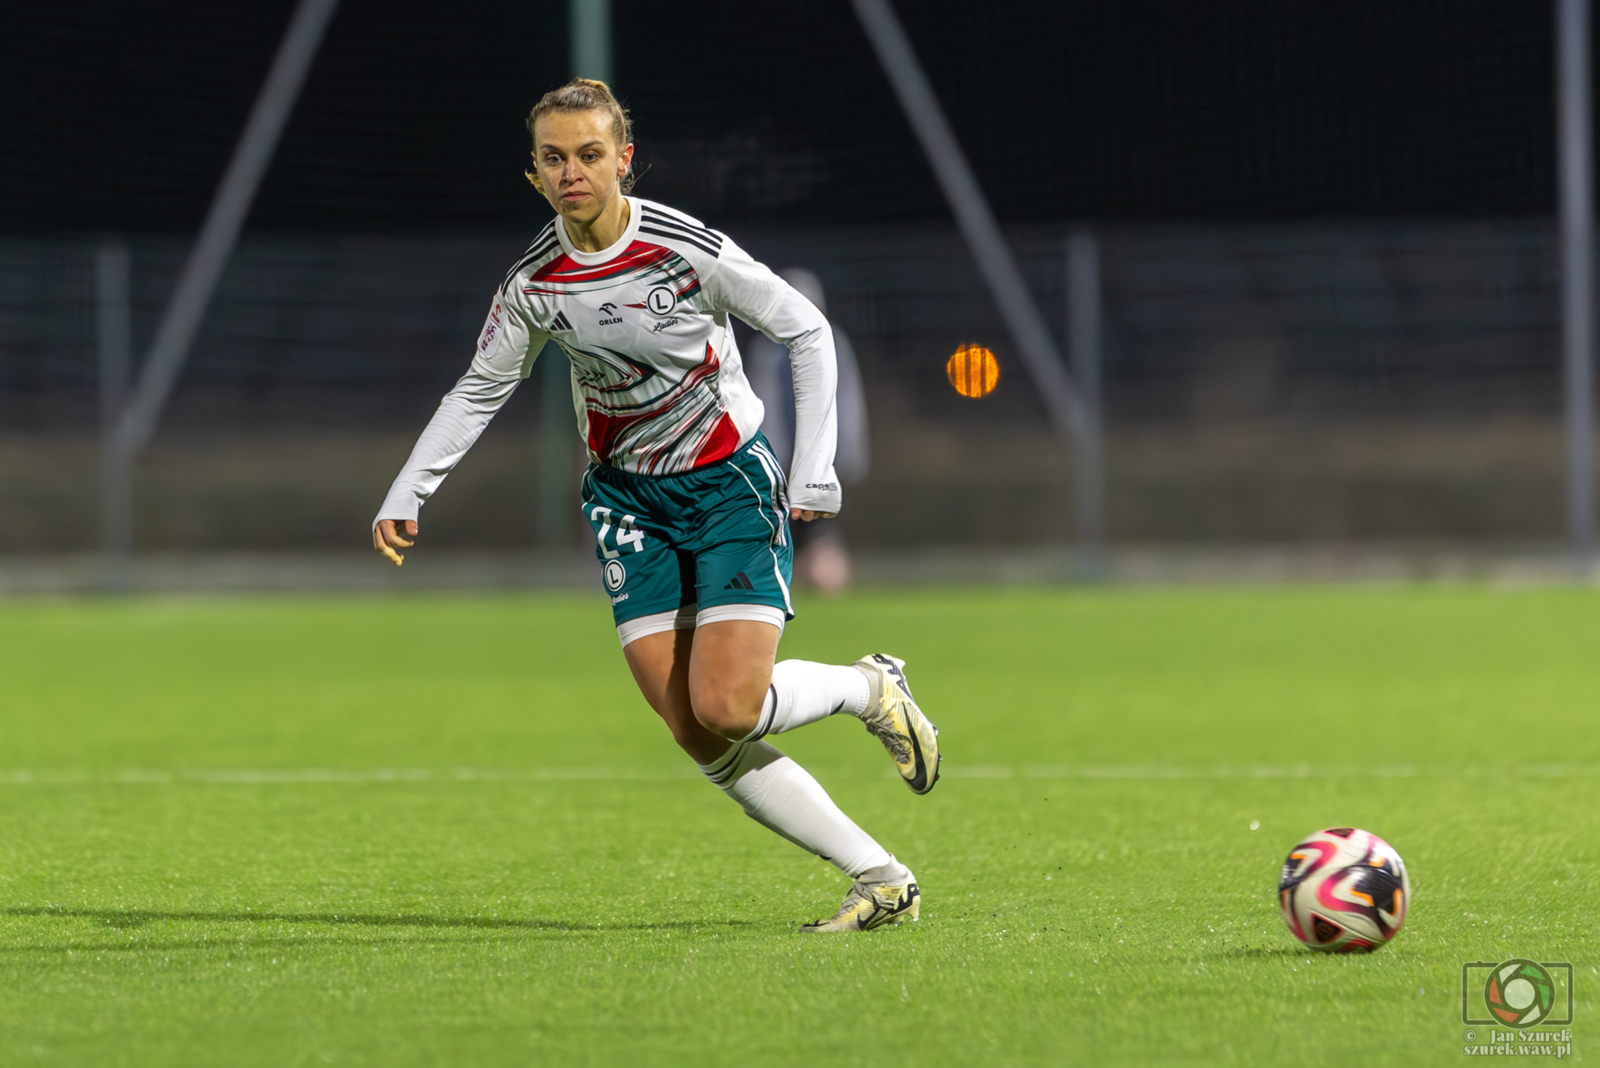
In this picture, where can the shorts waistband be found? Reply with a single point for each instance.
(617, 474)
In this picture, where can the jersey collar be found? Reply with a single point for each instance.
(605, 255)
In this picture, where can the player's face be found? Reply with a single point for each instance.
(578, 164)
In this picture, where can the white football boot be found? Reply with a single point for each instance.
(896, 721)
(872, 904)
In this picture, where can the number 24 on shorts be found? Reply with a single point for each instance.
(627, 533)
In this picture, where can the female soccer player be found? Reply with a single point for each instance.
(690, 511)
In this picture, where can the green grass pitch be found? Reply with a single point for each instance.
(447, 831)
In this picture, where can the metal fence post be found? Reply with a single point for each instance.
(590, 30)
(589, 44)
(556, 424)
(1084, 352)
(230, 206)
(114, 343)
(1062, 398)
(1576, 163)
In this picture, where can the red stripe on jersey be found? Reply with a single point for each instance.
(606, 429)
(637, 256)
(723, 442)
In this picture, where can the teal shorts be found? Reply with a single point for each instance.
(710, 544)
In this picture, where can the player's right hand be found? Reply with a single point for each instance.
(386, 538)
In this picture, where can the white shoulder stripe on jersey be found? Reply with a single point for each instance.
(708, 249)
(546, 235)
(711, 247)
(541, 247)
(677, 218)
(704, 232)
(690, 231)
(653, 208)
(533, 255)
(529, 260)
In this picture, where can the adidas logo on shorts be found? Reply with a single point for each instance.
(741, 581)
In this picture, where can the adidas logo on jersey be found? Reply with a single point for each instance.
(560, 322)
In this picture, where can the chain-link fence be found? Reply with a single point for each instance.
(1265, 383)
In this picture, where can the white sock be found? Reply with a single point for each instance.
(783, 797)
(803, 692)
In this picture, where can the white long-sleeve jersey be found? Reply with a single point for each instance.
(657, 381)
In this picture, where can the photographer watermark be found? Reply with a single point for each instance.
(1525, 1005)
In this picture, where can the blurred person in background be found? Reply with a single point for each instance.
(690, 509)
(821, 555)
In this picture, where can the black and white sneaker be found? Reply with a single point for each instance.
(892, 716)
(872, 904)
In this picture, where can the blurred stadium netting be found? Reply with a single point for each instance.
(1328, 259)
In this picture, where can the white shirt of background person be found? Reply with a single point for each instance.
(766, 365)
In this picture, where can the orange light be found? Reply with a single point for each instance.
(973, 370)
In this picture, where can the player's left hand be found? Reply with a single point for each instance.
(388, 536)
(808, 515)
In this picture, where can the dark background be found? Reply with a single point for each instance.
(1326, 228)
(120, 116)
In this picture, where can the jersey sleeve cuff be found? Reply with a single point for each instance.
(819, 497)
(397, 511)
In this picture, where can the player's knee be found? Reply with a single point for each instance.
(726, 714)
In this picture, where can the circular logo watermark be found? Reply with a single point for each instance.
(616, 575)
(1520, 992)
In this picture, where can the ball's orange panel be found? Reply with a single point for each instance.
(973, 371)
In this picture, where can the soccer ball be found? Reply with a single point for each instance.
(1344, 890)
